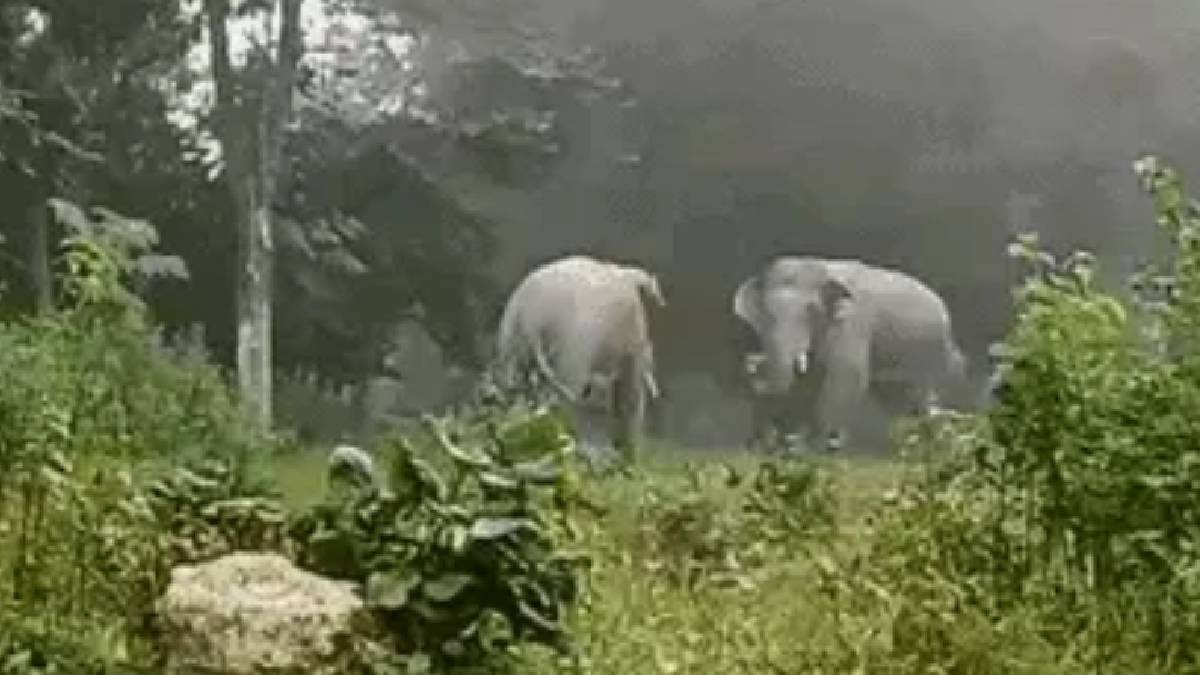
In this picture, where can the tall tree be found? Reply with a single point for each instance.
(65, 70)
(382, 81)
(250, 122)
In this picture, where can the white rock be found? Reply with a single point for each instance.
(256, 613)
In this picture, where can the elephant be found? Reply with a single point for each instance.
(832, 330)
(579, 324)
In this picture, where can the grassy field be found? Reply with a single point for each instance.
(637, 619)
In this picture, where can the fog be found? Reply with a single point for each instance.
(913, 133)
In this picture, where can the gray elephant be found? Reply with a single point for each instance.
(579, 324)
(838, 329)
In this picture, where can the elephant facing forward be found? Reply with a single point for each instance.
(843, 328)
(579, 324)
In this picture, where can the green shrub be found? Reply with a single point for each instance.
(691, 537)
(1058, 532)
(469, 552)
(792, 502)
(93, 404)
(723, 535)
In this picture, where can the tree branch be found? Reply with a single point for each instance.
(224, 83)
(278, 108)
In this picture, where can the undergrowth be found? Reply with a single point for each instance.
(1056, 533)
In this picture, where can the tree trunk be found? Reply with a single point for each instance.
(251, 132)
(39, 257)
(254, 307)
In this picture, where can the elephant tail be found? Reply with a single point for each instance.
(547, 372)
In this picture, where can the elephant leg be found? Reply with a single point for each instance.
(773, 419)
(845, 382)
(761, 423)
(628, 409)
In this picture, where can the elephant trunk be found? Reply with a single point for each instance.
(784, 364)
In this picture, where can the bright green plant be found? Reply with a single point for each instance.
(210, 510)
(691, 538)
(1065, 521)
(791, 502)
(92, 403)
(705, 535)
(470, 550)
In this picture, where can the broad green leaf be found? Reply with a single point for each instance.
(498, 482)
(429, 612)
(537, 618)
(460, 539)
(445, 587)
(419, 664)
(470, 458)
(391, 590)
(543, 471)
(495, 528)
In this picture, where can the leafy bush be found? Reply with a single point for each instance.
(469, 551)
(690, 537)
(792, 502)
(696, 537)
(211, 510)
(93, 403)
(1064, 523)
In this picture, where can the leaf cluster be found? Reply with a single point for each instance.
(698, 537)
(210, 510)
(1066, 519)
(469, 551)
(691, 538)
(792, 501)
(92, 403)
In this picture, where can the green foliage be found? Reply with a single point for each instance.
(691, 538)
(793, 501)
(697, 537)
(92, 403)
(212, 510)
(470, 550)
(1065, 521)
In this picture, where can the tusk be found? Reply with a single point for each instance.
(651, 386)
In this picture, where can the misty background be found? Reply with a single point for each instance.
(919, 134)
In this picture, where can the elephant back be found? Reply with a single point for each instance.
(903, 299)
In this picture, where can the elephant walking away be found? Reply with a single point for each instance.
(579, 324)
(840, 329)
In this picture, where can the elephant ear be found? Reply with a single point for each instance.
(747, 301)
(836, 293)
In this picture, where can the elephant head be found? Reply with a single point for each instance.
(789, 305)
